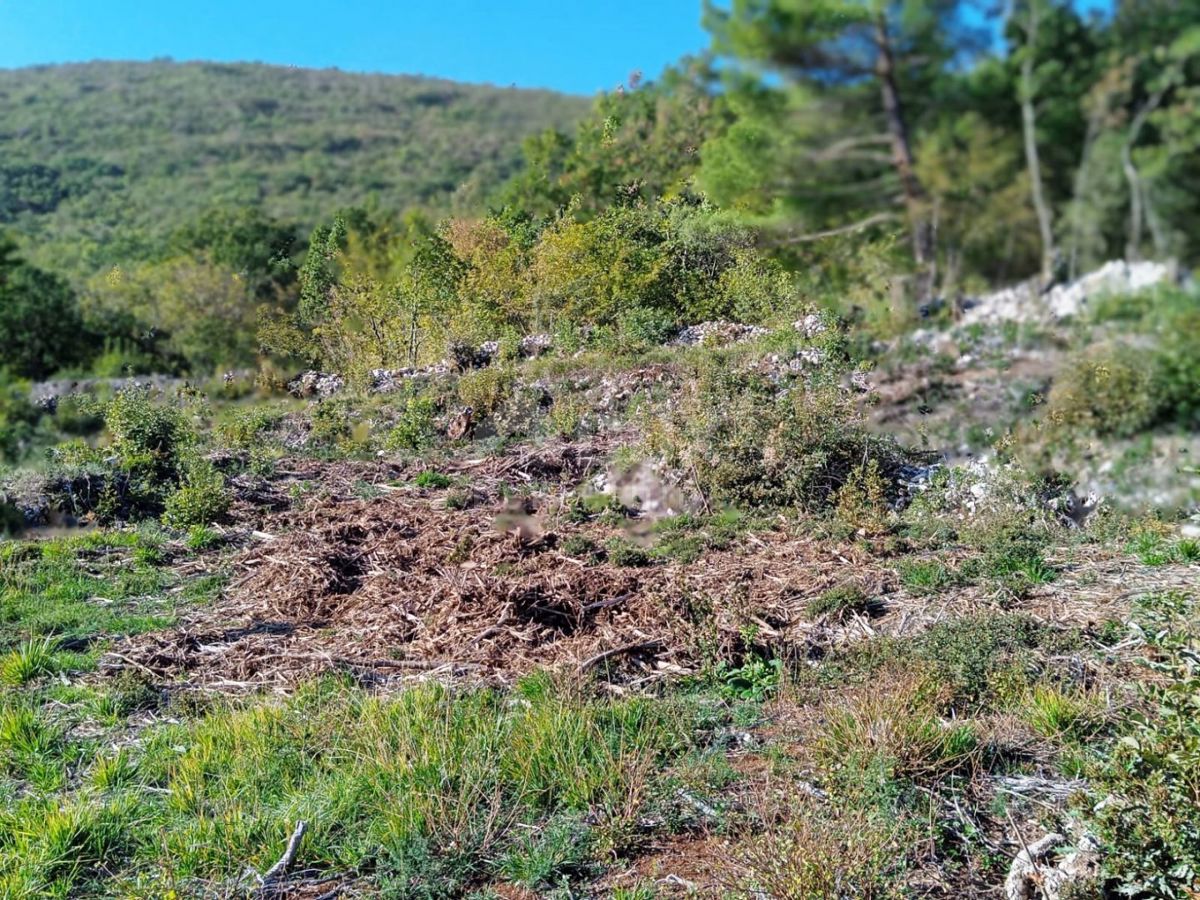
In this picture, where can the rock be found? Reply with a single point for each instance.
(316, 384)
(535, 344)
(718, 333)
(1034, 876)
(1028, 302)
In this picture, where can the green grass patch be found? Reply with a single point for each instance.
(435, 791)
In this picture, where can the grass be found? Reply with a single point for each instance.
(1155, 549)
(840, 602)
(32, 659)
(77, 591)
(449, 788)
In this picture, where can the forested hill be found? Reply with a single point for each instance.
(101, 161)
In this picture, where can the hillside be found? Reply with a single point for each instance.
(99, 161)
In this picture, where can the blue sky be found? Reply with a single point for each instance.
(581, 46)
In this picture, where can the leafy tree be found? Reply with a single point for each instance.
(41, 329)
(832, 48)
(247, 242)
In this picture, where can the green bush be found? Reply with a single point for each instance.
(201, 500)
(415, 429)
(1150, 783)
(486, 390)
(750, 442)
(18, 419)
(1109, 390)
(41, 328)
(149, 438)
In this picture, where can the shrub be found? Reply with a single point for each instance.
(862, 501)
(246, 428)
(415, 429)
(1110, 390)
(623, 552)
(18, 419)
(41, 329)
(486, 390)
(201, 500)
(1150, 779)
(752, 443)
(969, 655)
(432, 479)
(149, 438)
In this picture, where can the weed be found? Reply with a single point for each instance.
(839, 602)
(432, 479)
(548, 854)
(927, 576)
(32, 659)
(581, 547)
(828, 850)
(202, 537)
(623, 552)
(893, 730)
(1149, 779)
(757, 679)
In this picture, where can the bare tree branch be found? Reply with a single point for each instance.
(876, 219)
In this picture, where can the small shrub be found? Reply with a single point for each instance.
(970, 655)
(565, 416)
(415, 429)
(581, 547)
(861, 503)
(201, 500)
(750, 443)
(432, 479)
(1110, 391)
(1149, 780)
(486, 390)
(247, 428)
(623, 552)
(839, 602)
(149, 438)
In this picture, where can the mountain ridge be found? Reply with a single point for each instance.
(101, 160)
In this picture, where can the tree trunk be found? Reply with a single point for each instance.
(1077, 190)
(902, 157)
(1137, 196)
(1029, 126)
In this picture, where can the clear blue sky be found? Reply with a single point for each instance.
(581, 46)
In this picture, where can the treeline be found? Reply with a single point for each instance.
(1037, 140)
(861, 156)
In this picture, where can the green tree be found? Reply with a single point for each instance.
(41, 329)
(831, 48)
